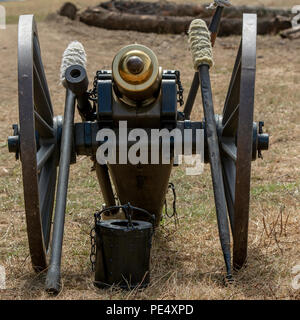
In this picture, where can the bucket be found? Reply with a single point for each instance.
(123, 250)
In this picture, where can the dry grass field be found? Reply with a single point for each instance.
(186, 262)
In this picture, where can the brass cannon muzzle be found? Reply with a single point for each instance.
(137, 75)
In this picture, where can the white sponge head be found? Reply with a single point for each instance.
(73, 55)
(200, 43)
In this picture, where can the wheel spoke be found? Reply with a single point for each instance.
(233, 94)
(42, 105)
(229, 148)
(46, 197)
(44, 154)
(40, 70)
(231, 125)
(43, 128)
(229, 175)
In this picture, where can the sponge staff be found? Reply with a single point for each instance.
(201, 49)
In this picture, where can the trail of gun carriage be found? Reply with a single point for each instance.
(156, 147)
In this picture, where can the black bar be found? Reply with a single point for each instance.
(84, 107)
(53, 274)
(191, 97)
(215, 24)
(215, 163)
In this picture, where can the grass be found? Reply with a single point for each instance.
(274, 188)
(186, 262)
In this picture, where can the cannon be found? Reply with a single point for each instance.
(136, 94)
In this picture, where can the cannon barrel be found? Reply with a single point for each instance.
(137, 75)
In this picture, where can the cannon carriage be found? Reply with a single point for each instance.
(137, 93)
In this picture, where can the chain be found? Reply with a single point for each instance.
(93, 248)
(174, 214)
(93, 93)
(93, 96)
(180, 88)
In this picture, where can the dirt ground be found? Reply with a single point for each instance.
(186, 262)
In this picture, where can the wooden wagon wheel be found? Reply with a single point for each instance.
(38, 142)
(237, 138)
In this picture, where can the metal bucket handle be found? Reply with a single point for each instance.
(127, 209)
